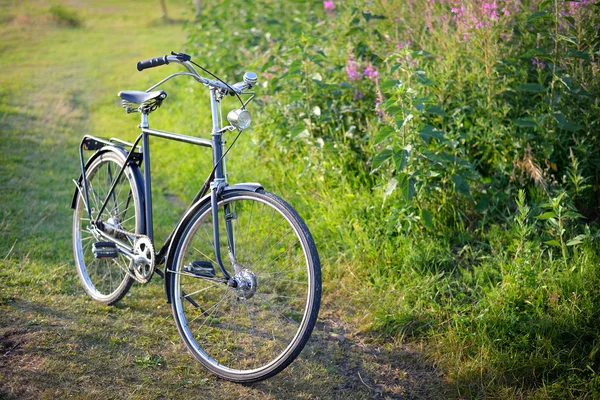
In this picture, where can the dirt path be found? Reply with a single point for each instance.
(69, 346)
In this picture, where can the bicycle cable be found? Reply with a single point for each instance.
(224, 154)
(220, 80)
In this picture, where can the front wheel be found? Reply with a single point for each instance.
(254, 328)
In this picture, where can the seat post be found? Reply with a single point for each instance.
(144, 123)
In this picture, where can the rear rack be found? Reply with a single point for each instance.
(95, 143)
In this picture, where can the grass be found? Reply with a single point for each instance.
(57, 82)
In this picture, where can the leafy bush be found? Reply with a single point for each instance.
(446, 155)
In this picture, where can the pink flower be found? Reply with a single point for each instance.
(540, 63)
(458, 12)
(358, 95)
(371, 72)
(491, 11)
(401, 45)
(352, 69)
(328, 6)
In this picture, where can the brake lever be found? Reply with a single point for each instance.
(181, 56)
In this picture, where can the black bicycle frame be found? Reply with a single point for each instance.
(216, 180)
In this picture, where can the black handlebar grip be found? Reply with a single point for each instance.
(152, 62)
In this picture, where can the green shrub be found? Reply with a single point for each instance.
(447, 158)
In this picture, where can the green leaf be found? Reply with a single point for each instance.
(568, 38)
(565, 124)
(390, 187)
(296, 95)
(269, 63)
(546, 215)
(316, 77)
(576, 240)
(572, 215)
(399, 123)
(436, 110)
(401, 158)
(553, 242)
(383, 134)
(381, 158)
(390, 83)
(531, 87)
(296, 129)
(544, 4)
(428, 132)
(389, 102)
(579, 54)
(461, 185)
(427, 219)
(533, 53)
(528, 122)
(368, 16)
(294, 50)
(406, 186)
(537, 15)
(295, 67)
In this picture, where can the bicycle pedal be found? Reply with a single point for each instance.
(105, 250)
(204, 269)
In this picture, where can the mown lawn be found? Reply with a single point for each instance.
(57, 82)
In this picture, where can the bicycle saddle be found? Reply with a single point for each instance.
(137, 97)
(149, 101)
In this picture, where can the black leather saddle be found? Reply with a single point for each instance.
(148, 101)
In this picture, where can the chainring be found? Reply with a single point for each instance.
(144, 261)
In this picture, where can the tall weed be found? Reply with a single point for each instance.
(446, 155)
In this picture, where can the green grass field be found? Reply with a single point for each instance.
(57, 82)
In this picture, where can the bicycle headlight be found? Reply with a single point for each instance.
(239, 118)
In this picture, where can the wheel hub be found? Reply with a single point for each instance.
(111, 224)
(245, 284)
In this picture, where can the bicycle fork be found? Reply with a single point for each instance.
(216, 187)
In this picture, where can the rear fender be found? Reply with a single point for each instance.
(136, 174)
(178, 232)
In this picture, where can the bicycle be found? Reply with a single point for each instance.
(244, 317)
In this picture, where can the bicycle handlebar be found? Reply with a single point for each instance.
(152, 62)
(184, 59)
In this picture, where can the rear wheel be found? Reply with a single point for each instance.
(251, 329)
(107, 280)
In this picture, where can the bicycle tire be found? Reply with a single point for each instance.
(240, 335)
(107, 280)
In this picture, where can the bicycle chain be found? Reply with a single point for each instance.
(127, 233)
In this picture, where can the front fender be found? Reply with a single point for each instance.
(178, 231)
